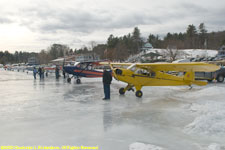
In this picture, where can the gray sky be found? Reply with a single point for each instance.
(33, 25)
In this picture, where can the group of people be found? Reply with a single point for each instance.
(106, 79)
(40, 71)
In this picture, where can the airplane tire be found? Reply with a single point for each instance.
(78, 81)
(220, 78)
(139, 94)
(68, 80)
(121, 91)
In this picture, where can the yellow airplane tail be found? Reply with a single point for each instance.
(190, 76)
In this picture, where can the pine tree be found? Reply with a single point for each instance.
(191, 36)
(136, 36)
(202, 35)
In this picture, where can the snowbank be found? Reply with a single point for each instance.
(200, 52)
(211, 120)
(142, 146)
(214, 146)
(210, 111)
(182, 54)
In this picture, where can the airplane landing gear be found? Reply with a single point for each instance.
(122, 91)
(68, 80)
(129, 87)
(139, 93)
(78, 81)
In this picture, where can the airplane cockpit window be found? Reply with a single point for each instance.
(89, 67)
(132, 67)
(82, 66)
(145, 72)
(76, 63)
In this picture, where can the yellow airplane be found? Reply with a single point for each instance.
(158, 74)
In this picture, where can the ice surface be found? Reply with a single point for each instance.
(52, 112)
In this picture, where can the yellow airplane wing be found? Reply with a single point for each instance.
(180, 67)
(116, 64)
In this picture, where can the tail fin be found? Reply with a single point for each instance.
(189, 76)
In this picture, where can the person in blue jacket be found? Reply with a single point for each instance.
(34, 72)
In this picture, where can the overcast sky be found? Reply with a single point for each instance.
(33, 25)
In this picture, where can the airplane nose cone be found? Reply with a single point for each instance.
(119, 71)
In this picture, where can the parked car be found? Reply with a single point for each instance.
(218, 75)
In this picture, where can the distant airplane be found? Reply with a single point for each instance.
(83, 69)
(157, 74)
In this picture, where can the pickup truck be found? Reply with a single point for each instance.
(210, 76)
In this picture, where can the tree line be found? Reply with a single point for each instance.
(120, 48)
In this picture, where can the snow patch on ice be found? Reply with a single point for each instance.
(214, 146)
(142, 146)
(210, 121)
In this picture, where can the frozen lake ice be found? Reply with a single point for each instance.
(52, 112)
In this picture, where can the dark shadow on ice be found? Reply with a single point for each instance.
(42, 84)
(57, 83)
(35, 84)
(107, 116)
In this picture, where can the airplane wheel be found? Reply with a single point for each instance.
(68, 80)
(139, 94)
(121, 91)
(220, 78)
(78, 81)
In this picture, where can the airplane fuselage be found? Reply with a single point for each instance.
(79, 72)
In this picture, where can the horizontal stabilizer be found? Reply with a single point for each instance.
(200, 83)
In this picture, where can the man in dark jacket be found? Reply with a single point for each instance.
(39, 72)
(57, 72)
(106, 78)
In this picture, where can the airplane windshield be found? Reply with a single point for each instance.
(76, 63)
(145, 72)
(132, 67)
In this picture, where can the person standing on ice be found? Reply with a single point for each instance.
(39, 71)
(34, 72)
(64, 74)
(42, 72)
(57, 72)
(106, 79)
